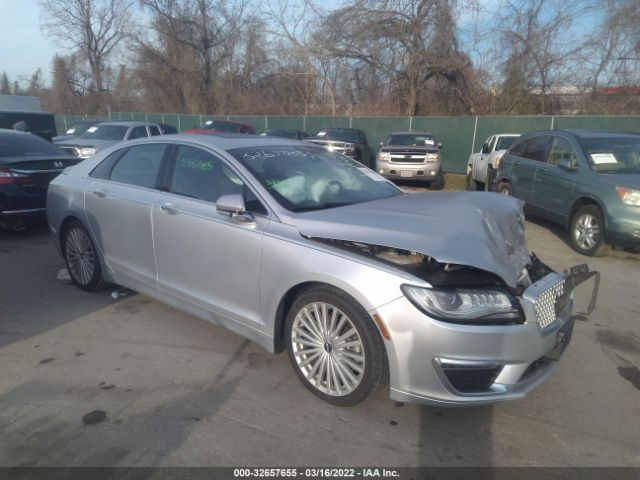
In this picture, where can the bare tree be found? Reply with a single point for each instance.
(94, 28)
(195, 38)
(412, 44)
(5, 85)
(541, 52)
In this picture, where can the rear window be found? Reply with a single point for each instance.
(534, 148)
(26, 145)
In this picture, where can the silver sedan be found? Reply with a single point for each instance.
(305, 250)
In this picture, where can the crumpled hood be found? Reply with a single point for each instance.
(87, 142)
(481, 230)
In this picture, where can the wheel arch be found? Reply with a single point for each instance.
(287, 299)
(581, 202)
(64, 225)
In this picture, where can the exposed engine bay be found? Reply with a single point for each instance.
(442, 274)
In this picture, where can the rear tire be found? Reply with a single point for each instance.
(335, 347)
(587, 231)
(81, 257)
(438, 183)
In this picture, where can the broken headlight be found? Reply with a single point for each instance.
(471, 306)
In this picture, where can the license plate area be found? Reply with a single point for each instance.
(406, 173)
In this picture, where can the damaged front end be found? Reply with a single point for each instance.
(469, 295)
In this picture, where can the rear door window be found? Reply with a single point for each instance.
(139, 166)
(533, 148)
(155, 131)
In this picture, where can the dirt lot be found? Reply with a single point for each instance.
(88, 380)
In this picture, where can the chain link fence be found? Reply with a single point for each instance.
(460, 136)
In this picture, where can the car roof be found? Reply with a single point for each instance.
(131, 123)
(228, 141)
(588, 133)
(412, 133)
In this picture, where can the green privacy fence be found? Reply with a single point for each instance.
(459, 135)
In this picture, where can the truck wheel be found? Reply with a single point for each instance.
(471, 184)
(504, 188)
(587, 231)
(438, 183)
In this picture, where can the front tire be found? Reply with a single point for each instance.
(334, 346)
(438, 183)
(587, 231)
(471, 185)
(82, 259)
(504, 188)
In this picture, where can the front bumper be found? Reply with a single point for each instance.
(408, 171)
(623, 226)
(439, 363)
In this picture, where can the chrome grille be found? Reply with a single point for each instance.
(545, 304)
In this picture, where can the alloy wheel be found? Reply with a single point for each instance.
(80, 256)
(586, 231)
(328, 349)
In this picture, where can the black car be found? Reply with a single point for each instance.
(347, 141)
(27, 165)
(285, 133)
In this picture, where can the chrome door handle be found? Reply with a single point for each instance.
(170, 208)
(99, 192)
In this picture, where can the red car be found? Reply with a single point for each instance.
(217, 126)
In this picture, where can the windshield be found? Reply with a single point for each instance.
(105, 132)
(80, 127)
(220, 126)
(26, 145)
(307, 178)
(613, 155)
(505, 142)
(340, 134)
(411, 140)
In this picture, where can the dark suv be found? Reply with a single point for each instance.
(347, 141)
(587, 181)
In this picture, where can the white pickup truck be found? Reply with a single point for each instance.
(489, 157)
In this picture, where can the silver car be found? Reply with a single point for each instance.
(305, 250)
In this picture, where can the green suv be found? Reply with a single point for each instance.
(587, 181)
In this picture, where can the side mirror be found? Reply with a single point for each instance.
(382, 144)
(440, 145)
(230, 205)
(565, 164)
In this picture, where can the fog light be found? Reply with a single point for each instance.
(433, 172)
(381, 171)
